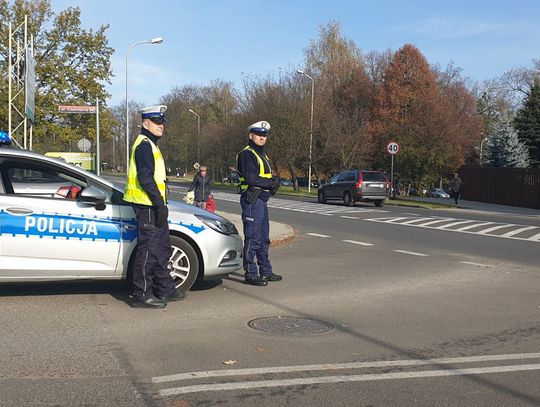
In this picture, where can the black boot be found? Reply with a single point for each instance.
(256, 281)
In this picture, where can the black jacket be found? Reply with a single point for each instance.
(248, 167)
(201, 186)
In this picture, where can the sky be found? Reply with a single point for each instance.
(206, 40)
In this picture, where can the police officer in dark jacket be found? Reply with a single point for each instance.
(257, 183)
(146, 190)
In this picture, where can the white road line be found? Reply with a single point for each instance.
(317, 235)
(535, 237)
(414, 220)
(346, 378)
(492, 229)
(412, 253)
(517, 231)
(408, 213)
(454, 224)
(349, 217)
(475, 264)
(392, 220)
(341, 366)
(358, 243)
(474, 226)
(436, 221)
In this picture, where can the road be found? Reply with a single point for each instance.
(378, 307)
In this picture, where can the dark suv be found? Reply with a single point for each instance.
(356, 186)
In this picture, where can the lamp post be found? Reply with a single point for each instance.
(198, 133)
(157, 40)
(482, 149)
(311, 126)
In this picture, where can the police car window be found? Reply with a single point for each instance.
(42, 181)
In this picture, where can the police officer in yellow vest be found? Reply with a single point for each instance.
(153, 285)
(258, 183)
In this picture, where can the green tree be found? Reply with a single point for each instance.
(527, 123)
(72, 68)
(504, 149)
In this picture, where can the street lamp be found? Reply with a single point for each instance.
(198, 133)
(481, 149)
(311, 126)
(157, 40)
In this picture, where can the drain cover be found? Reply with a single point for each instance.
(291, 325)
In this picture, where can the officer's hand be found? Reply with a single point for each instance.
(276, 185)
(162, 216)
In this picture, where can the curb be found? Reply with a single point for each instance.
(280, 233)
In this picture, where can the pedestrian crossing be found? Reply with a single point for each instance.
(306, 207)
(494, 229)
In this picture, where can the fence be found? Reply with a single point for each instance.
(504, 186)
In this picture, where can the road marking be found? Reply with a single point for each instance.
(358, 243)
(408, 222)
(437, 221)
(535, 238)
(343, 379)
(408, 213)
(412, 253)
(474, 226)
(317, 235)
(454, 224)
(341, 366)
(475, 264)
(349, 217)
(492, 229)
(517, 231)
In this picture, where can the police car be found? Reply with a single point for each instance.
(60, 222)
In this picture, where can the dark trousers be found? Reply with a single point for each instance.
(256, 237)
(150, 272)
(456, 195)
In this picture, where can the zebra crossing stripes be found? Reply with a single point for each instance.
(306, 207)
(493, 229)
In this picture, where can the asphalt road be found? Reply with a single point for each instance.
(371, 312)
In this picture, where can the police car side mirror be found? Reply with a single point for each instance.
(94, 196)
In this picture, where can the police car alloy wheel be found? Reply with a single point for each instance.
(184, 264)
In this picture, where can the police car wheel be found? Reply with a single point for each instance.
(184, 264)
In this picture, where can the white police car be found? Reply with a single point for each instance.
(59, 222)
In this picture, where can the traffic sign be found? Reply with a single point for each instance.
(392, 147)
(77, 109)
(84, 145)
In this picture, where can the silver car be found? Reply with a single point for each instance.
(60, 222)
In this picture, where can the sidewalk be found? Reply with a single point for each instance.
(279, 232)
(478, 206)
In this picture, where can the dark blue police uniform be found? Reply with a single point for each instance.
(258, 185)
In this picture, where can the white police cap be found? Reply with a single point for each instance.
(259, 128)
(154, 112)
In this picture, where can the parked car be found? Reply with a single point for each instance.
(303, 182)
(60, 222)
(438, 193)
(286, 182)
(356, 186)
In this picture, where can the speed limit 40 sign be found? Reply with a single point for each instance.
(392, 147)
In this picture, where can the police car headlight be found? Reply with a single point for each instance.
(219, 225)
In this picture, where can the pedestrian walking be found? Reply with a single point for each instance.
(455, 186)
(257, 183)
(201, 187)
(146, 190)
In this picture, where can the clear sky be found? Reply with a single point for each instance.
(206, 40)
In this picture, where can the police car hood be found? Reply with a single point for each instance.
(180, 207)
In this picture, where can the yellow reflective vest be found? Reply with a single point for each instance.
(243, 185)
(134, 191)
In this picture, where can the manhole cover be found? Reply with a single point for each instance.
(291, 325)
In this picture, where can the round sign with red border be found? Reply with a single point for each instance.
(392, 147)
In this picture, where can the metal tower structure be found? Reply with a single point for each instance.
(21, 79)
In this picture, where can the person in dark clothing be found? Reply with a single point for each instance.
(455, 187)
(146, 190)
(258, 183)
(201, 187)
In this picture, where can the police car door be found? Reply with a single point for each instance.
(48, 232)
